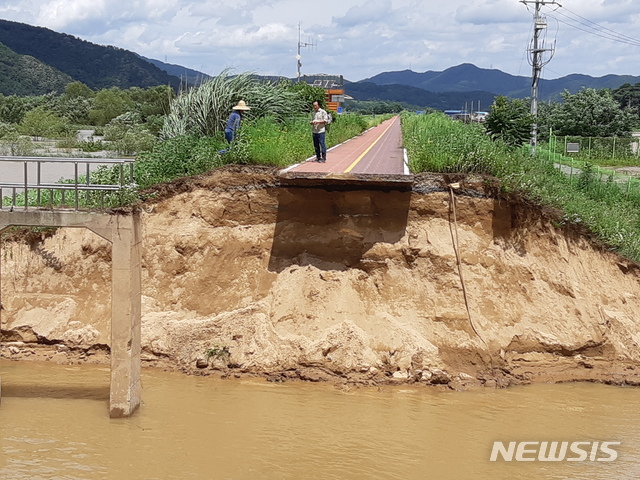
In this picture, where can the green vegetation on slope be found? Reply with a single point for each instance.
(263, 141)
(94, 65)
(438, 144)
(274, 132)
(24, 75)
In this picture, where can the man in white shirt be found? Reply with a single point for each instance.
(318, 130)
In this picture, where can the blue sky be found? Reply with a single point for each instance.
(355, 38)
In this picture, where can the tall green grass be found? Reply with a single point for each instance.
(436, 144)
(263, 141)
(177, 157)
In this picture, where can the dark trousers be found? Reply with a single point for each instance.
(318, 144)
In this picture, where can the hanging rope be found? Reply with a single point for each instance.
(456, 247)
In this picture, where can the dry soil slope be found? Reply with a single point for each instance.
(359, 286)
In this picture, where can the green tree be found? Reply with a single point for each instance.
(76, 109)
(7, 130)
(13, 107)
(588, 113)
(108, 104)
(14, 144)
(307, 93)
(128, 134)
(151, 101)
(78, 90)
(374, 107)
(628, 96)
(510, 120)
(41, 122)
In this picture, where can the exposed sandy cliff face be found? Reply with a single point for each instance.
(360, 286)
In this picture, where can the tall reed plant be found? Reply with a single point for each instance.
(203, 110)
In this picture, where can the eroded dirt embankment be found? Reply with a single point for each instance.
(355, 286)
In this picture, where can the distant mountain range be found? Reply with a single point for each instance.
(94, 65)
(467, 78)
(418, 97)
(36, 60)
(188, 75)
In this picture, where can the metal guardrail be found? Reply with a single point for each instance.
(74, 186)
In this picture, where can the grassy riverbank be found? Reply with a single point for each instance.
(261, 142)
(438, 144)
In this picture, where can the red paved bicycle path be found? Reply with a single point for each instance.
(378, 151)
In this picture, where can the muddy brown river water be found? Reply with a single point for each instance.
(54, 424)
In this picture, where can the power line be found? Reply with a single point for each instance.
(614, 39)
(593, 28)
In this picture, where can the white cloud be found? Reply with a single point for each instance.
(491, 12)
(60, 13)
(372, 11)
(356, 38)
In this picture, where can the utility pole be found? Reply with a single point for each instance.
(537, 61)
(298, 57)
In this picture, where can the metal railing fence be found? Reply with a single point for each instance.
(28, 181)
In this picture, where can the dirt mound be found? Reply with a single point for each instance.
(355, 285)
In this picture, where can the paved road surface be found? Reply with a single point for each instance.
(377, 151)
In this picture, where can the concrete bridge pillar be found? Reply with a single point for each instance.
(124, 233)
(126, 313)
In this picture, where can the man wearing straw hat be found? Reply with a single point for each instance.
(233, 123)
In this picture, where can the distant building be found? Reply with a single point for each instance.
(467, 117)
(480, 117)
(333, 87)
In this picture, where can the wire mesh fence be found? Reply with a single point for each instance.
(603, 151)
(600, 165)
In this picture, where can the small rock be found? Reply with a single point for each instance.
(440, 377)
(310, 375)
(202, 362)
(14, 350)
(401, 375)
(464, 376)
(585, 364)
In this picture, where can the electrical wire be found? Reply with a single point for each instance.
(526, 49)
(601, 27)
(592, 28)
